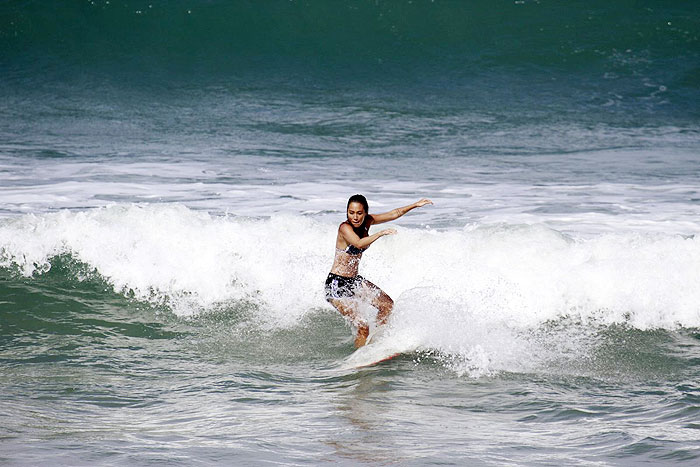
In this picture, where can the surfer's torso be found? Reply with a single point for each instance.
(347, 257)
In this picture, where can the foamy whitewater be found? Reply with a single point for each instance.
(173, 175)
(454, 288)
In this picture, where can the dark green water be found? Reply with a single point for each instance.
(619, 62)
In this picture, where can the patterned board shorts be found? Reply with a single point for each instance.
(341, 286)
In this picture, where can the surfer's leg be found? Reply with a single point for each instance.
(381, 301)
(384, 304)
(348, 310)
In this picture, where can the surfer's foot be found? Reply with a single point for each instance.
(362, 333)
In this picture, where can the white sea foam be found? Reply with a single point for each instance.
(470, 293)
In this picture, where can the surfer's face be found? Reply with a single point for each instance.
(356, 214)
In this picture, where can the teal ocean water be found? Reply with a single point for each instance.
(172, 175)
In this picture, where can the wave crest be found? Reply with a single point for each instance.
(513, 276)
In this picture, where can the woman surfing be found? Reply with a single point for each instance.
(344, 286)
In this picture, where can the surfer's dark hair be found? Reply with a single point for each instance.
(359, 199)
(363, 230)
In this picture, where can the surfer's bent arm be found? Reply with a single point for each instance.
(398, 212)
(351, 238)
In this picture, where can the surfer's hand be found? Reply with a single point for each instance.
(423, 202)
(388, 232)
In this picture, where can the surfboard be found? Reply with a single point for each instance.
(378, 350)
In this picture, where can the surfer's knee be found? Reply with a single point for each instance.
(385, 302)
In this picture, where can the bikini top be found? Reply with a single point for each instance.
(354, 251)
(351, 250)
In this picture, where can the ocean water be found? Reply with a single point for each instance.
(172, 175)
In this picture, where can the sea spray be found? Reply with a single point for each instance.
(484, 285)
(518, 276)
(176, 256)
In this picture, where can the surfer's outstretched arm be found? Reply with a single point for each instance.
(398, 212)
